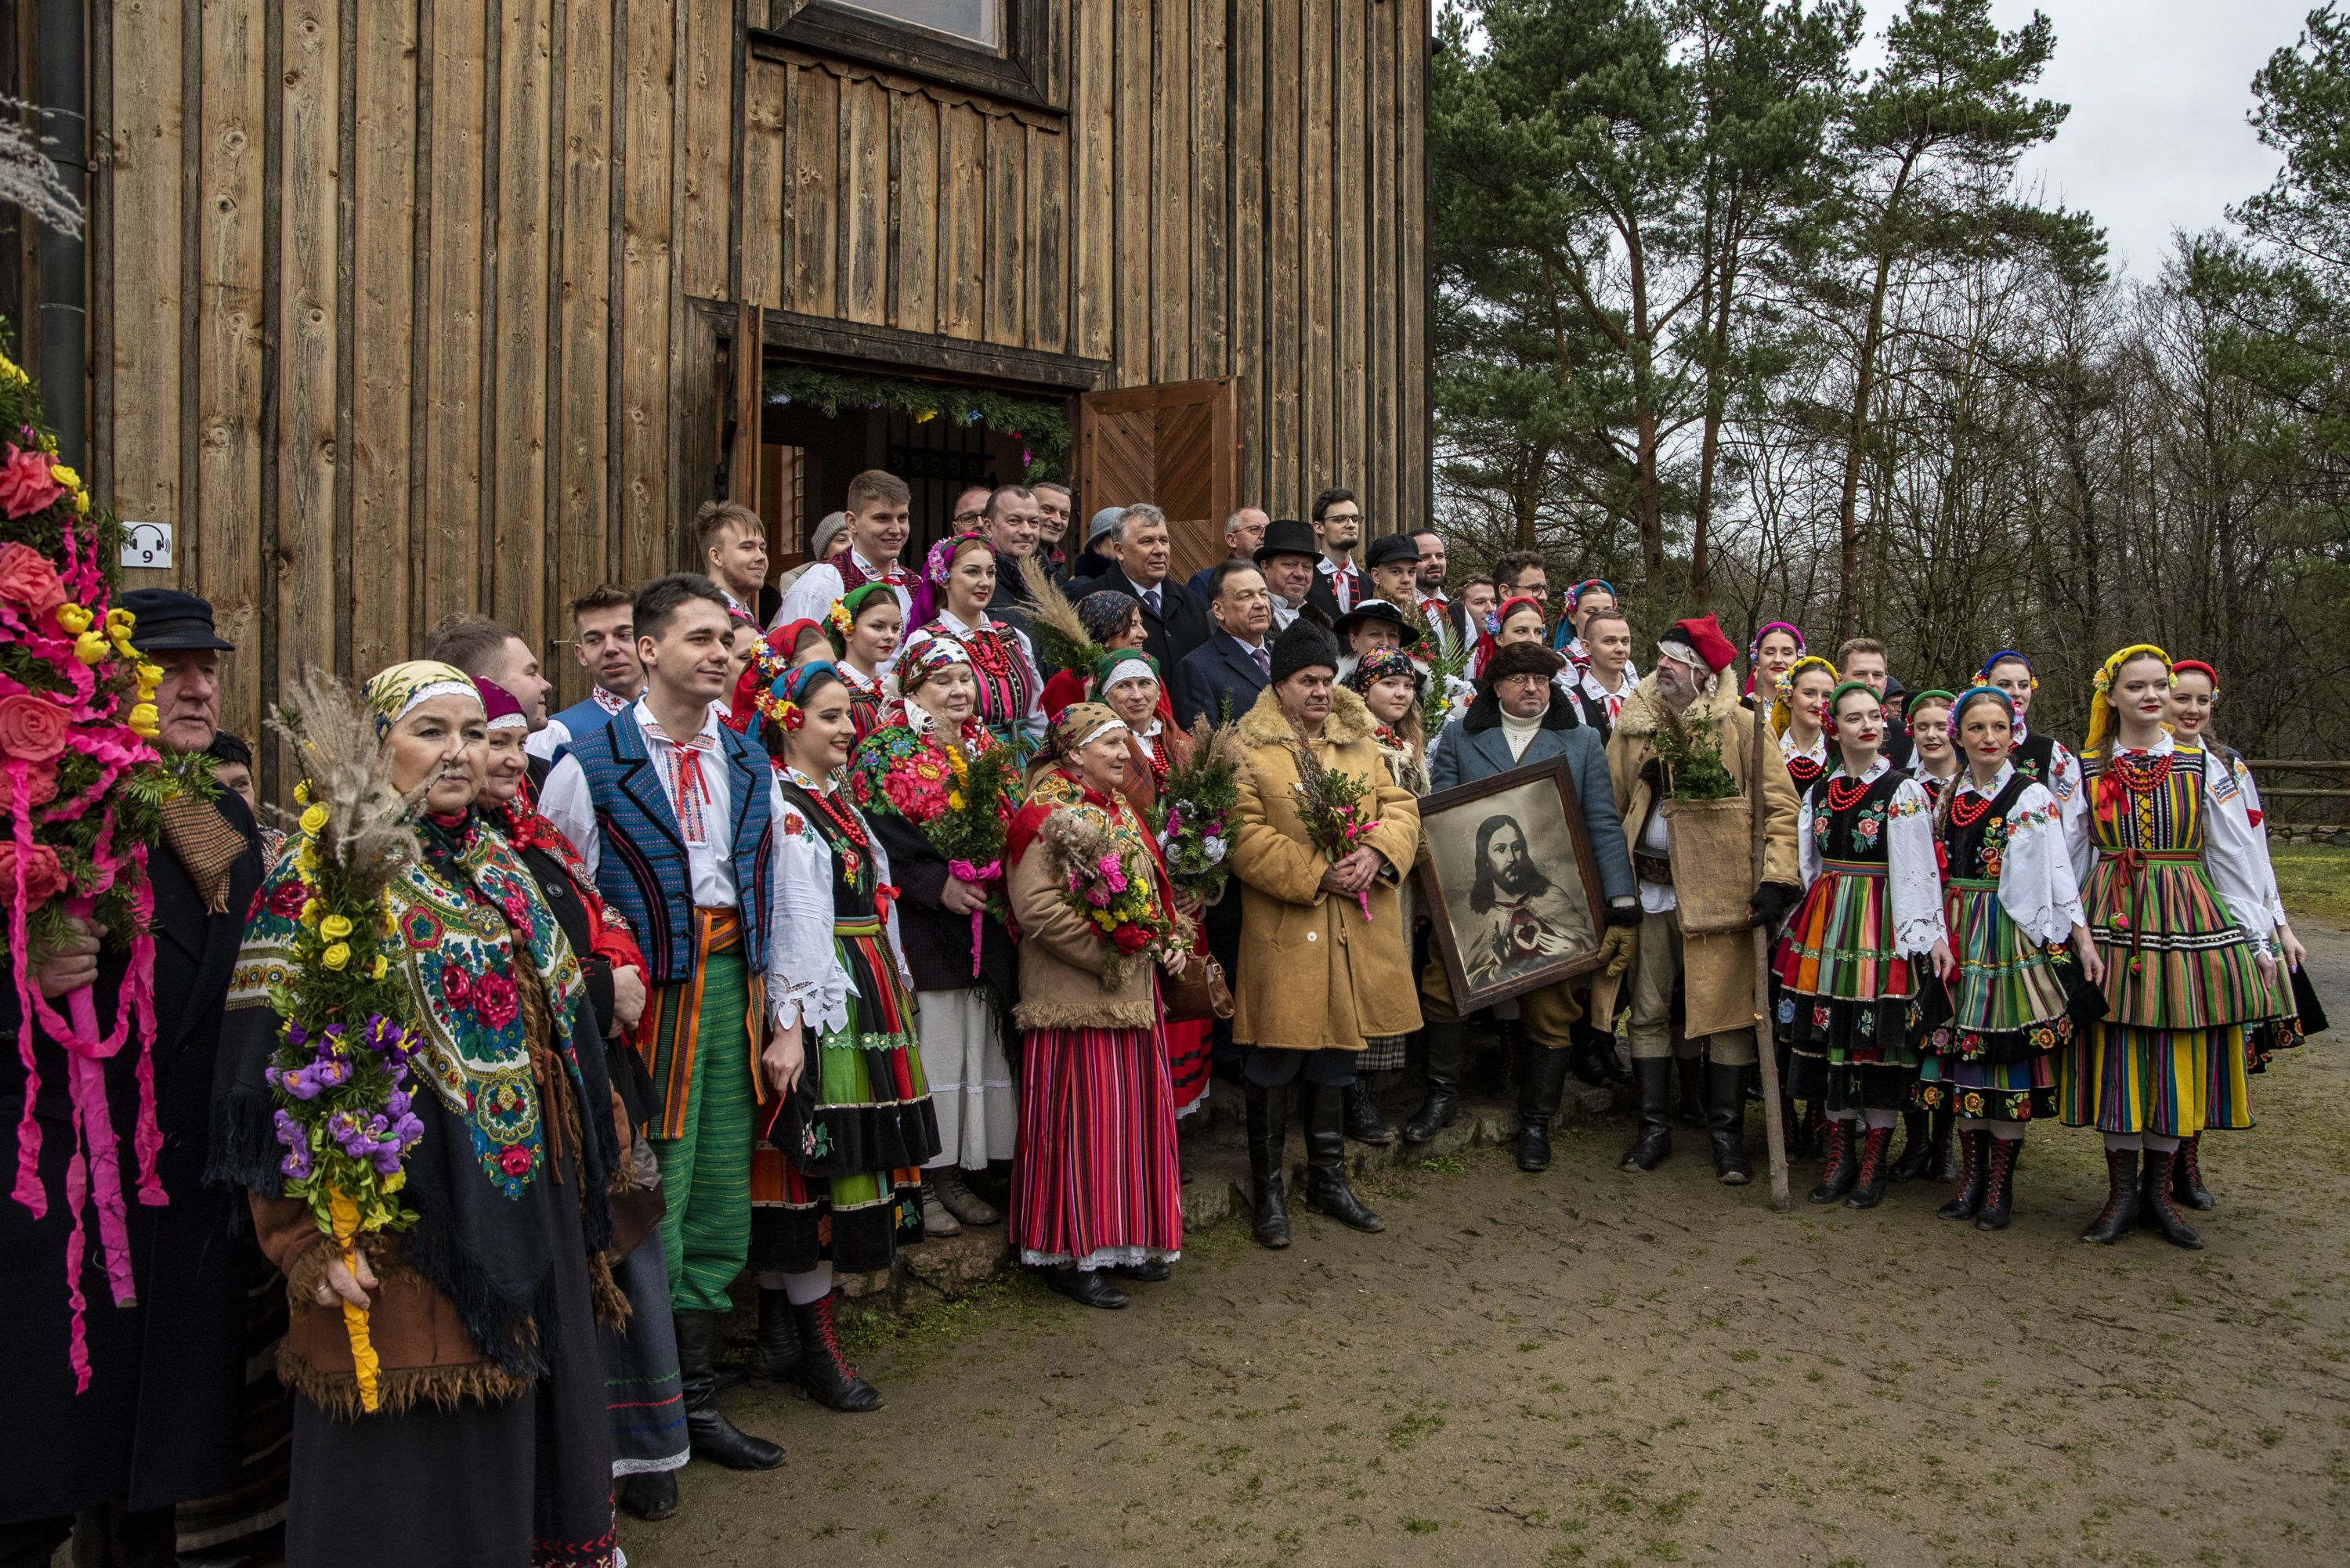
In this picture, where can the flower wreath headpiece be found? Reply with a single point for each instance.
(1982, 676)
(2100, 710)
(780, 701)
(941, 560)
(1783, 704)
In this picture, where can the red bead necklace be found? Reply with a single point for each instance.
(840, 817)
(2140, 772)
(1844, 793)
(1803, 770)
(1967, 809)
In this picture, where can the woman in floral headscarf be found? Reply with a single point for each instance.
(1003, 661)
(491, 1444)
(865, 626)
(960, 955)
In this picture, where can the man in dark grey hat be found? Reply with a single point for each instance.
(161, 1422)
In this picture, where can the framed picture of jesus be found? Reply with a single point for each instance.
(1509, 883)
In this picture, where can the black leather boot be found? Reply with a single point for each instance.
(1592, 1057)
(1844, 1161)
(1974, 1172)
(1916, 1147)
(1364, 1123)
(1945, 1168)
(1654, 1142)
(650, 1494)
(708, 1431)
(2119, 1215)
(1998, 1184)
(2158, 1210)
(1875, 1165)
(1725, 1110)
(1441, 1104)
(1542, 1077)
(1692, 1101)
(1087, 1287)
(1268, 1128)
(776, 1354)
(2187, 1175)
(824, 1372)
(1326, 1191)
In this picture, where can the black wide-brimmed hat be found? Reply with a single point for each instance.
(170, 621)
(1380, 609)
(1287, 536)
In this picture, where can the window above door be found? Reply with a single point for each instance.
(1004, 48)
(979, 22)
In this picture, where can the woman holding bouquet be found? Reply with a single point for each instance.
(645, 1398)
(1126, 682)
(865, 626)
(1003, 661)
(1857, 948)
(965, 973)
(1096, 1189)
(489, 1442)
(1992, 1032)
(1391, 685)
(1322, 838)
(836, 1178)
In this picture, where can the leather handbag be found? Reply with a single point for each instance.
(1198, 995)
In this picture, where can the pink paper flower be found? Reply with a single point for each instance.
(27, 578)
(26, 485)
(44, 878)
(32, 729)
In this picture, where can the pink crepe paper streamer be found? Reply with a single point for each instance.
(965, 871)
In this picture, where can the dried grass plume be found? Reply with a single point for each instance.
(371, 830)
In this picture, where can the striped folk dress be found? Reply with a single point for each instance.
(1852, 957)
(1987, 1042)
(835, 1176)
(2173, 863)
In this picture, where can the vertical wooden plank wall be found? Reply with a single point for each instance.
(399, 288)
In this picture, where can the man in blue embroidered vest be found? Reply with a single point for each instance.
(672, 812)
(604, 641)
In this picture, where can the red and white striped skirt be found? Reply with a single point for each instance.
(1096, 1181)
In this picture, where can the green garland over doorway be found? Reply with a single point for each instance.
(1040, 428)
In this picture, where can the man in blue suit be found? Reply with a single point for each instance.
(1519, 720)
(1224, 675)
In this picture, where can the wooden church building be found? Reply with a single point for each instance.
(396, 307)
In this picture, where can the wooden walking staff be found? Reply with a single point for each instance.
(1766, 1054)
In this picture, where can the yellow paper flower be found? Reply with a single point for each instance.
(379, 967)
(120, 620)
(89, 648)
(65, 476)
(9, 371)
(333, 928)
(149, 675)
(144, 722)
(306, 859)
(81, 502)
(74, 618)
(309, 915)
(301, 792)
(314, 819)
(337, 955)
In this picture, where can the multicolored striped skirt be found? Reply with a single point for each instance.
(2175, 960)
(871, 1128)
(1985, 1042)
(1844, 994)
(1189, 1047)
(1097, 1182)
(2173, 1081)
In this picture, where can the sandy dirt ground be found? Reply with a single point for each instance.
(1591, 1367)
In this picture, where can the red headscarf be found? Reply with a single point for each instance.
(779, 646)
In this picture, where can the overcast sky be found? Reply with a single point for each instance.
(2156, 140)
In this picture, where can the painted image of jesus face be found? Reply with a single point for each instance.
(1505, 856)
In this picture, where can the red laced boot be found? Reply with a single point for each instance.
(2120, 1213)
(824, 1372)
(1998, 1192)
(1876, 1169)
(1843, 1168)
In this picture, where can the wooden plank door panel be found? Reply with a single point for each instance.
(1175, 445)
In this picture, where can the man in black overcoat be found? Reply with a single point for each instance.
(160, 1423)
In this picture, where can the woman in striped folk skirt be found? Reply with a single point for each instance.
(1096, 1186)
(2188, 711)
(1848, 964)
(1988, 1038)
(2174, 900)
(834, 1179)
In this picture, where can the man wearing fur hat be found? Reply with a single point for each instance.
(1685, 710)
(1328, 970)
(1520, 719)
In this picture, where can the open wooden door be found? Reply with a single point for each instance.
(1177, 446)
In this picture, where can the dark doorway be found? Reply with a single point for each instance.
(810, 459)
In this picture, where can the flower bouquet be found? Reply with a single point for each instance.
(960, 804)
(1330, 804)
(341, 1071)
(1446, 658)
(81, 798)
(1111, 890)
(1191, 816)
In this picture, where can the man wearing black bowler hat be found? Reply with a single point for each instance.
(1286, 559)
(160, 1423)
